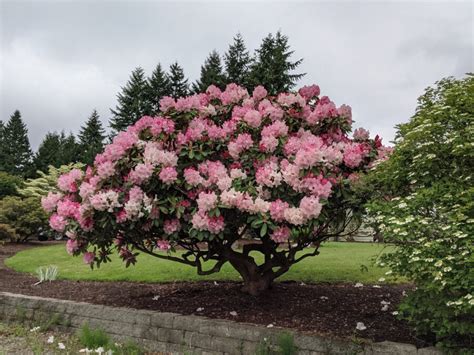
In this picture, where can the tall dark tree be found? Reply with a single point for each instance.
(16, 151)
(132, 102)
(49, 152)
(91, 139)
(178, 83)
(211, 74)
(158, 86)
(237, 62)
(272, 66)
(69, 148)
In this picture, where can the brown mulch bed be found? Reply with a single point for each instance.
(331, 309)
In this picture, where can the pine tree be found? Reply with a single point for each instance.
(49, 152)
(158, 86)
(91, 139)
(272, 67)
(69, 149)
(132, 102)
(237, 62)
(16, 149)
(211, 74)
(178, 83)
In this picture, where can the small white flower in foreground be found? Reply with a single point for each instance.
(35, 329)
(359, 285)
(50, 339)
(270, 326)
(61, 346)
(100, 350)
(385, 308)
(200, 309)
(395, 313)
(377, 286)
(324, 298)
(302, 284)
(384, 302)
(156, 298)
(215, 283)
(87, 351)
(360, 326)
(233, 313)
(382, 279)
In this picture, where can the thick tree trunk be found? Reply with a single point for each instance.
(257, 285)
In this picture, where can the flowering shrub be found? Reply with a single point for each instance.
(214, 168)
(426, 207)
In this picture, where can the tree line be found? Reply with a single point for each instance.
(270, 65)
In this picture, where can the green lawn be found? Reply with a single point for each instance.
(338, 262)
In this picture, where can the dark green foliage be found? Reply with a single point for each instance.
(178, 83)
(132, 102)
(9, 184)
(211, 74)
(93, 338)
(23, 215)
(91, 139)
(56, 149)
(158, 86)
(272, 66)
(15, 151)
(237, 62)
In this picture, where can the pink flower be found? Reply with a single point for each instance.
(68, 208)
(353, 155)
(50, 202)
(141, 173)
(68, 182)
(171, 226)
(166, 103)
(242, 142)
(295, 216)
(361, 134)
(106, 170)
(310, 207)
(163, 245)
(168, 175)
(253, 118)
(72, 246)
(281, 234)
(89, 257)
(193, 177)
(308, 92)
(207, 201)
(277, 210)
(57, 222)
(259, 93)
(214, 92)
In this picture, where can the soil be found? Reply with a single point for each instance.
(323, 308)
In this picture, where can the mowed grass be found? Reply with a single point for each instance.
(337, 262)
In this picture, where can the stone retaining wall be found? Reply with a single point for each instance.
(178, 334)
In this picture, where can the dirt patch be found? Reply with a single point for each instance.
(333, 309)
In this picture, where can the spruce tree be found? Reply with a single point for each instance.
(178, 83)
(49, 152)
(158, 86)
(91, 139)
(16, 151)
(237, 62)
(211, 74)
(69, 149)
(132, 102)
(272, 66)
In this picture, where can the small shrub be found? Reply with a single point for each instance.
(286, 344)
(9, 184)
(47, 273)
(93, 338)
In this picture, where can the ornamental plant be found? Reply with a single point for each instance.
(425, 206)
(214, 168)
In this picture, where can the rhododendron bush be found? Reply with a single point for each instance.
(212, 169)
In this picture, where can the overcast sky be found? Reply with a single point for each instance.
(61, 59)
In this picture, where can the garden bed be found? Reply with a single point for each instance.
(332, 309)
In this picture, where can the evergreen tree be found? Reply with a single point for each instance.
(15, 150)
(91, 139)
(49, 152)
(211, 74)
(158, 86)
(69, 149)
(132, 102)
(237, 62)
(178, 83)
(272, 66)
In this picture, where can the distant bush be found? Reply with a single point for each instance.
(21, 218)
(9, 184)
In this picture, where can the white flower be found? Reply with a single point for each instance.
(395, 313)
(377, 286)
(384, 308)
(233, 313)
(360, 326)
(382, 279)
(215, 283)
(200, 309)
(359, 285)
(35, 329)
(156, 298)
(324, 298)
(389, 272)
(86, 350)
(384, 302)
(50, 339)
(100, 350)
(61, 346)
(270, 326)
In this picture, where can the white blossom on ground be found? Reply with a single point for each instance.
(359, 285)
(270, 326)
(233, 313)
(360, 326)
(50, 339)
(200, 309)
(35, 329)
(61, 346)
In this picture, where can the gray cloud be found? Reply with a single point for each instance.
(61, 59)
